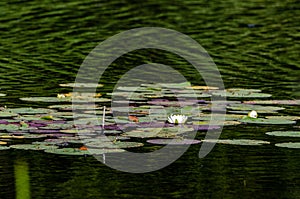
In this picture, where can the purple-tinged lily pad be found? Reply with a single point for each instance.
(205, 127)
(4, 121)
(177, 141)
(44, 131)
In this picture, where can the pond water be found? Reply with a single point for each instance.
(253, 43)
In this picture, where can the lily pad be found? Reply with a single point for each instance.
(57, 126)
(29, 110)
(202, 87)
(207, 117)
(81, 85)
(292, 145)
(97, 151)
(241, 93)
(5, 114)
(167, 132)
(128, 88)
(2, 148)
(257, 108)
(69, 107)
(175, 85)
(266, 121)
(174, 141)
(197, 95)
(285, 133)
(37, 147)
(66, 99)
(113, 145)
(287, 117)
(23, 136)
(217, 123)
(239, 142)
(35, 118)
(270, 102)
(67, 151)
(9, 127)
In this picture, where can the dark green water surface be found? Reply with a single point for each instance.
(255, 44)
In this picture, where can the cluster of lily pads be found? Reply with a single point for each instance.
(153, 114)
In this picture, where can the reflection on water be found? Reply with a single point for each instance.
(253, 43)
(22, 180)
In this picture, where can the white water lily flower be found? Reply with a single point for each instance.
(252, 114)
(61, 96)
(177, 119)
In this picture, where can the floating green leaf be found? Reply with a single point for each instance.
(241, 93)
(196, 95)
(29, 110)
(66, 99)
(113, 145)
(37, 147)
(285, 133)
(58, 126)
(217, 123)
(128, 88)
(177, 141)
(2, 148)
(70, 107)
(266, 121)
(5, 114)
(23, 136)
(167, 132)
(286, 117)
(9, 127)
(239, 142)
(35, 117)
(257, 108)
(175, 85)
(282, 102)
(67, 151)
(81, 85)
(292, 145)
(207, 117)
